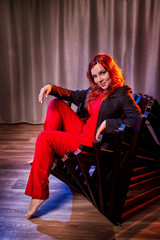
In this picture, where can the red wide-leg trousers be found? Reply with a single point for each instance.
(62, 131)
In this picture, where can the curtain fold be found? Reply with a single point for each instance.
(53, 41)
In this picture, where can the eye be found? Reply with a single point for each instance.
(94, 77)
(103, 72)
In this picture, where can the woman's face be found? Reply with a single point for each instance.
(101, 76)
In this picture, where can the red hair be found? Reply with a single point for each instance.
(115, 73)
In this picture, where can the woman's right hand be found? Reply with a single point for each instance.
(45, 90)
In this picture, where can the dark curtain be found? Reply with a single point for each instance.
(52, 41)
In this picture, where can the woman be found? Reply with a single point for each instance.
(106, 100)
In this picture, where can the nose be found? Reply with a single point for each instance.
(99, 79)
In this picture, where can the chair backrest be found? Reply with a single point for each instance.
(114, 166)
(124, 155)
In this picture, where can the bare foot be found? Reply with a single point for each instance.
(30, 162)
(34, 205)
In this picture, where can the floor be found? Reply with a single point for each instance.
(65, 215)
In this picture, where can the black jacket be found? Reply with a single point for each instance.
(118, 108)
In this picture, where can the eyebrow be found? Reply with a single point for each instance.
(99, 72)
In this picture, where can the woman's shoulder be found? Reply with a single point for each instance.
(123, 90)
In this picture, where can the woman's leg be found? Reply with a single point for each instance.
(37, 186)
(48, 143)
(61, 117)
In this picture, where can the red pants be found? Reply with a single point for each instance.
(62, 131)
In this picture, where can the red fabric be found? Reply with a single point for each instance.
(90, 126)
(63, 130)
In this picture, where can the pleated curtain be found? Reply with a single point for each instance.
(52, 41)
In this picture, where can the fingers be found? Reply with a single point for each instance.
(45, 90)
(97, 134)
(96, 137)
(41, 94)
(47, 93)
(101, 128)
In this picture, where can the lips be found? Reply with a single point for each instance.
(102, 84)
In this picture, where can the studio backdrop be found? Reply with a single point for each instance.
(52, 41)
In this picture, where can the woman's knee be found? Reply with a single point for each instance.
(41, 137)
(53, 118)
(43, 141)
(55, 104)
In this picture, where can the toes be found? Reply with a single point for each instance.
(27, 216)
(34, 205)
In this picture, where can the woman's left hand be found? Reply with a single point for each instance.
(101, 128)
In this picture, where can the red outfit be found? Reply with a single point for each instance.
(63, 130)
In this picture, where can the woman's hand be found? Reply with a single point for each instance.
(45, 90)
(101, 128)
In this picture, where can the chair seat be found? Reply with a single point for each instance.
(114, 160)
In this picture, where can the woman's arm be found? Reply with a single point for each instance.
(75, 97)
(123, 108)
(61, 93)
(129, 113)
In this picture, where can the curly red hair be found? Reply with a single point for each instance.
(115, 73)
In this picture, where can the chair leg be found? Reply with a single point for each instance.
(69, 161)
(83, 166)
(58, 171)
(99, 160)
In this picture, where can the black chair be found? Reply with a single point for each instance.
(104, 173)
